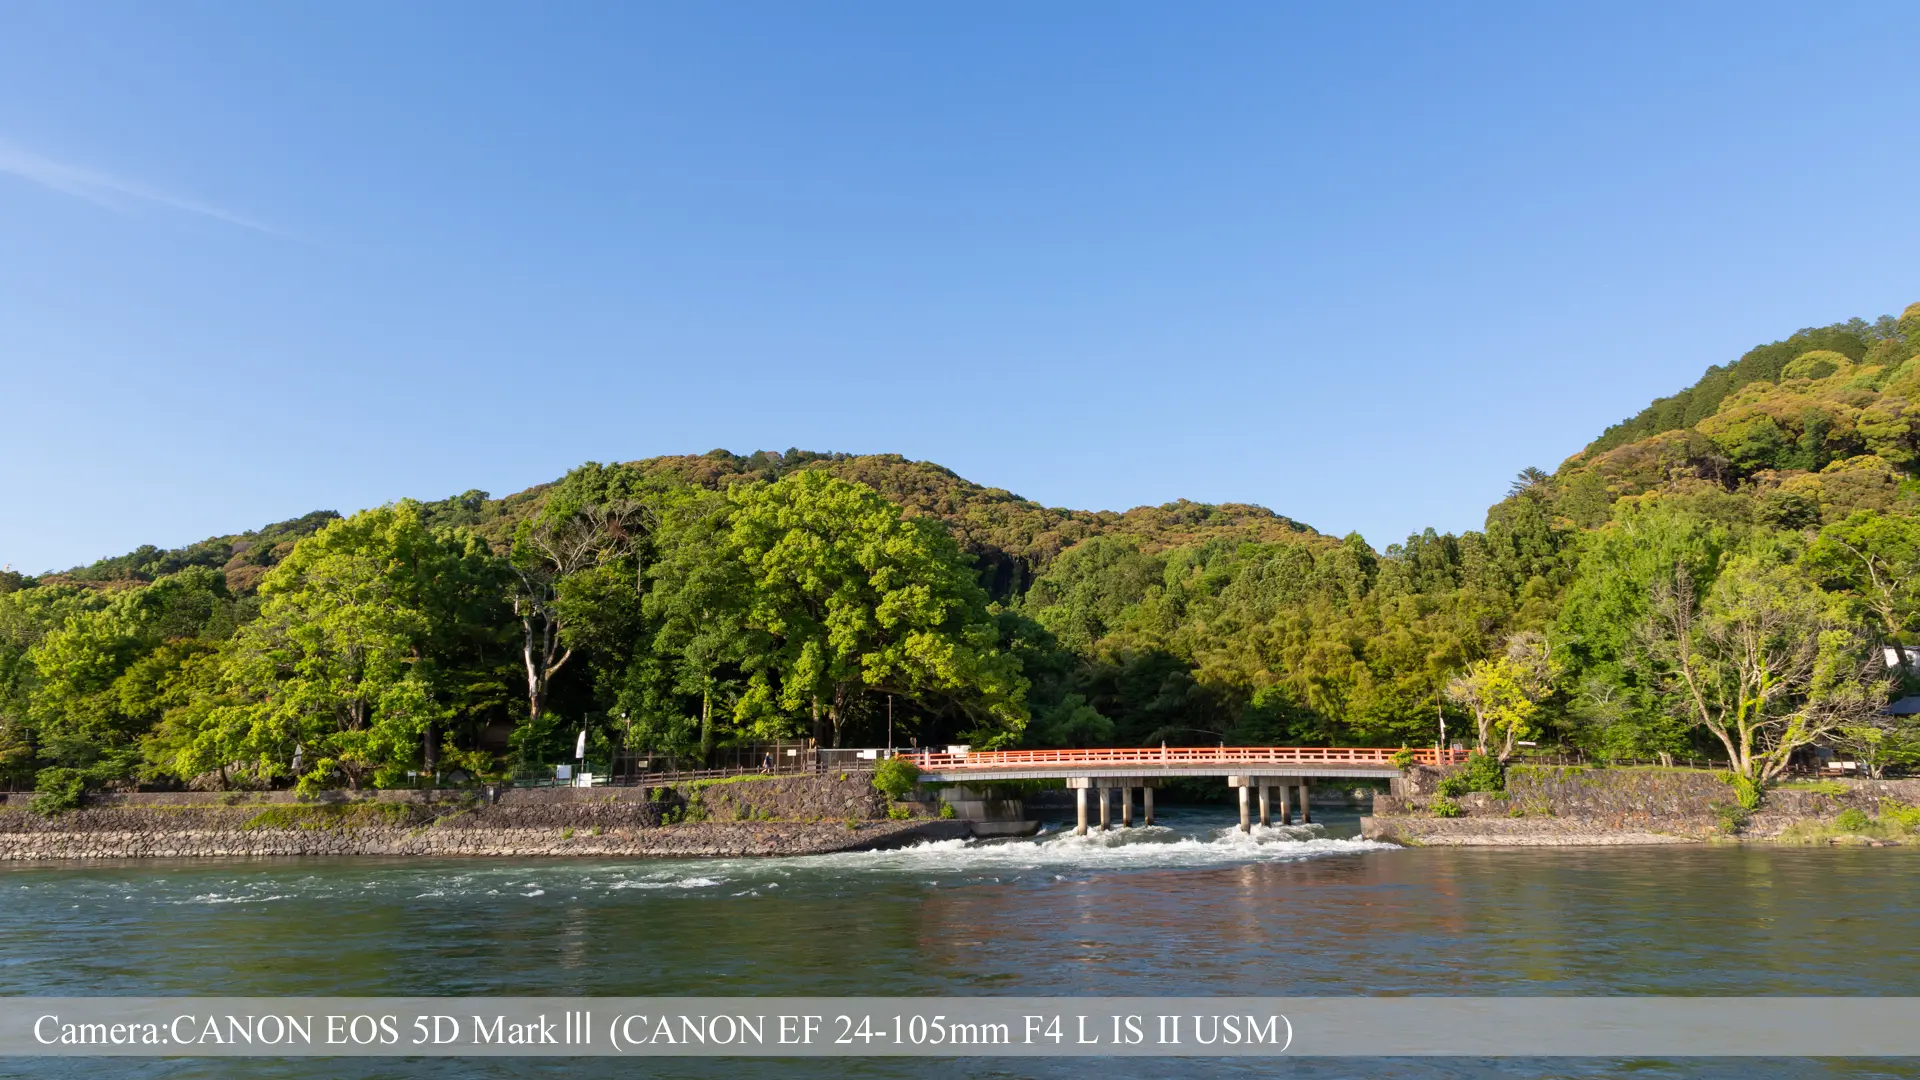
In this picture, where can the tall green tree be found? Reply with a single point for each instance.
(376, 634)
(1762, 659)
(845, 597)
(597, 517)
(1876, 556)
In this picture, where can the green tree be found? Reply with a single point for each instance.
(1504, 693)
(596, 517)
(1876, 556)
(700, 599)
(846, 597)
(1763, 660)
(375, 635)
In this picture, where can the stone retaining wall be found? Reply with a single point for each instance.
(777, 816)
(1574, 805)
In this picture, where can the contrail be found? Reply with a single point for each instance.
(108, 191)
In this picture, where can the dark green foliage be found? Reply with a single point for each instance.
(244, 558)
(895, 777)
(1482, 772)
(1852, 820)
(57, 791)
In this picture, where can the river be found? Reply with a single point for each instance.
(1189, 907)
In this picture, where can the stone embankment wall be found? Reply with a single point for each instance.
(781, 816)
(1549, 805)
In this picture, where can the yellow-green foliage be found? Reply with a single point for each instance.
(1818, 787)
(1900, 815)
(702, 785)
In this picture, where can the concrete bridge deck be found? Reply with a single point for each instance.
(1264, 769)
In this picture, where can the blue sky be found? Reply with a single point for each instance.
(1358, 263)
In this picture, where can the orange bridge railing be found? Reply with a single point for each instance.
(1182, 755)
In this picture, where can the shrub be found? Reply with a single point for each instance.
(946, 811)
(895, 777)
(58, 790)
(1483, 772)
(1732, 819)
(1746, 791)
(1402, 758)
(1852, 820)
(1897, 813)
(1446, 808)
(899, 813)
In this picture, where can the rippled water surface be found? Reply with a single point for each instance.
(1190, 907)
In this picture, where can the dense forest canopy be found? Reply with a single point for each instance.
(1726, 575)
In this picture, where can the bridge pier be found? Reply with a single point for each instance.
(1266, 804)
(1306, 805)
(1286, 809)
(1146, 794)
(1126, 806)
(1079, 784)
(1243, 783)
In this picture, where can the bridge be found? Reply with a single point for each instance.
(1265, 770)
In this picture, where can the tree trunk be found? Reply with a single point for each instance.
(538, 649)
(819, 732)
(706, 726)
(430, 752)
(838, 713)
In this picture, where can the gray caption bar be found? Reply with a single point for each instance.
(965, 1026)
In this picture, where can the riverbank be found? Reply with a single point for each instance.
(1572, 806)
(809, 815)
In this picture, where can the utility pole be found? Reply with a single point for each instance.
(889, 725)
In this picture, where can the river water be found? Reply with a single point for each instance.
(1189, 907)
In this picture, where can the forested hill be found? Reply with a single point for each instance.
(1827, 420)
(1880, 343)
(1010, 537)
(1757, 529)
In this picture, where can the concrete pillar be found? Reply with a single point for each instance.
(1244, 827)
(1146, 797)
(1266, 804)
(1106, 811)
(1080, 803)
(1126, 807)
(1286, 811)
(1306, 804)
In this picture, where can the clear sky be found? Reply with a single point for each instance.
(1356, 262)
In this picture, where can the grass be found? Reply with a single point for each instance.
(1825, 832)
(1818, 787)
(716, 781)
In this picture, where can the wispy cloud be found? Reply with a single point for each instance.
(109, 191)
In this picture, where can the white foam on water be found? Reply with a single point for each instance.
(666, 883)
(1154, 847)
